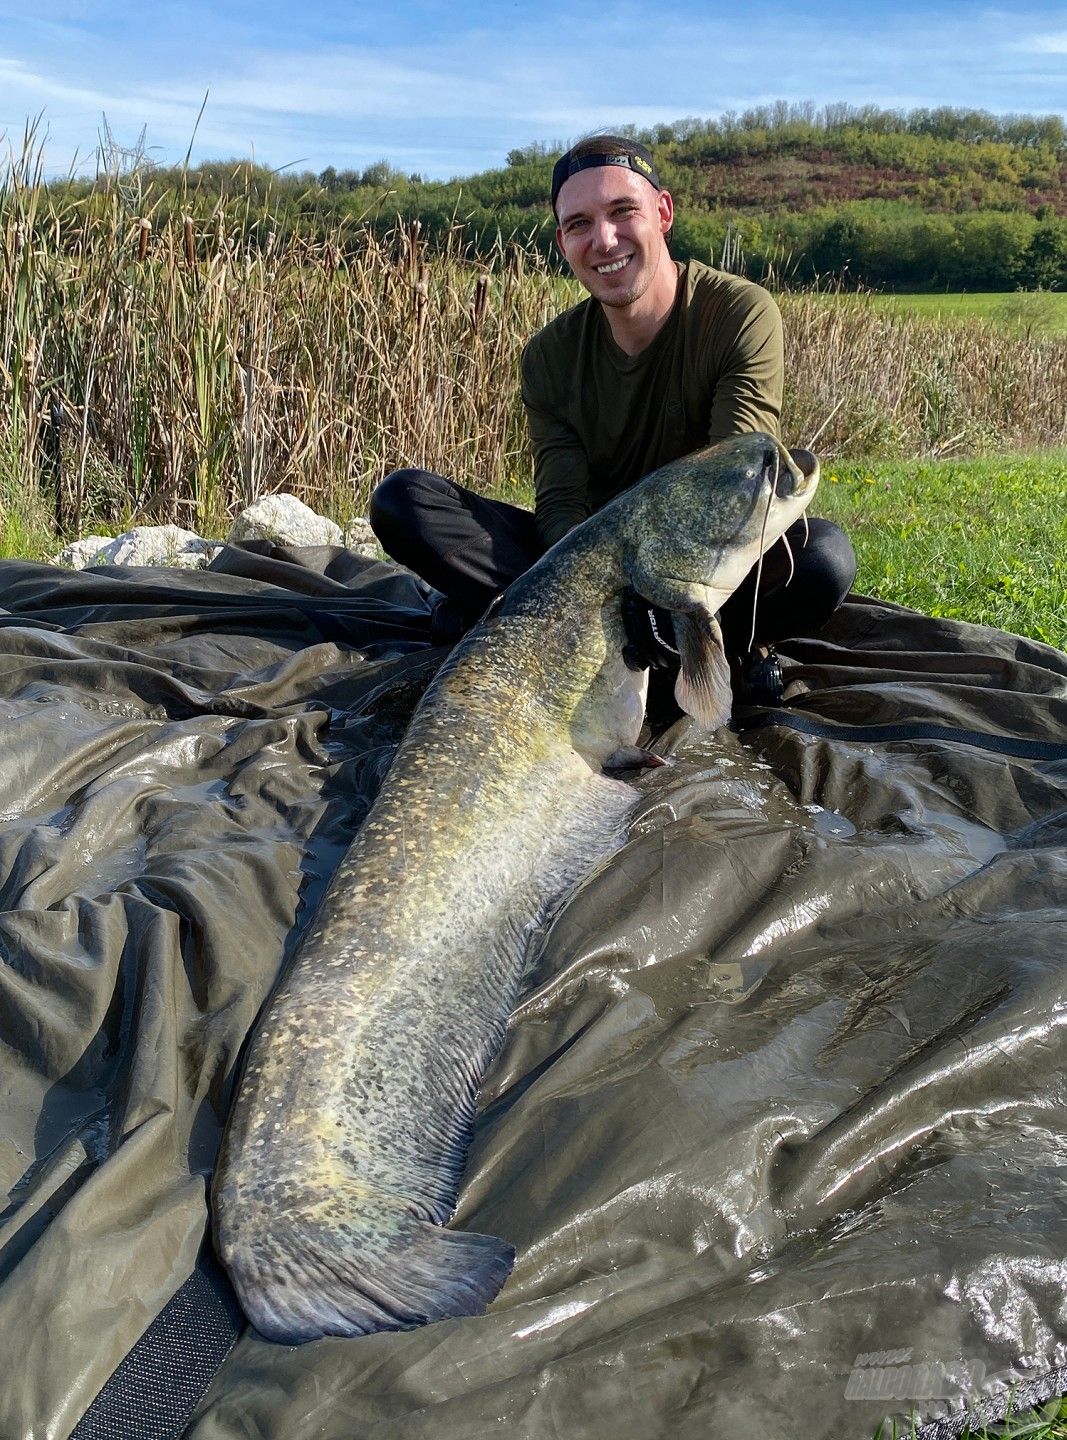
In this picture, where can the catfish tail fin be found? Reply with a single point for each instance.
(307, 1278)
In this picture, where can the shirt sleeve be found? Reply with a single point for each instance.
(750, 366)
(561, 470)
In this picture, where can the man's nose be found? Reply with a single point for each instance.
(604, 234)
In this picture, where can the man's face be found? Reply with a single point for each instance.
(611, 229)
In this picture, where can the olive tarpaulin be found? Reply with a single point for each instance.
(778, 1130)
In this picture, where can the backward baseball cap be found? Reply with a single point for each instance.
(598, 150)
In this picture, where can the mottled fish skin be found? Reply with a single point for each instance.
(344, 1151)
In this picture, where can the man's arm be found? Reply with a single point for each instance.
(561, 470)
(748, 358)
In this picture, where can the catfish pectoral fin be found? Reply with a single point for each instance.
(703, 686)
(303, 1279)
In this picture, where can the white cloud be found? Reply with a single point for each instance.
(1043, 44)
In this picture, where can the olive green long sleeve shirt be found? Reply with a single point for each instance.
(600, 419)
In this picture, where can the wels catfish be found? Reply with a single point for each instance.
(343, 1155)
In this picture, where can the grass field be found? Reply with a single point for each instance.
(983, 540)
(1048, 1422)
(1041, 312)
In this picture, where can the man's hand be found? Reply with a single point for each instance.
(649, 634)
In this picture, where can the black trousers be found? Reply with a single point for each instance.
(471, 548)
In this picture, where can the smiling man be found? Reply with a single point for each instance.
(662, 359)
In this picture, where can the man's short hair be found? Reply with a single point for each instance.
(594, 150)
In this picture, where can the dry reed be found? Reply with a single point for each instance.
(864, 381)
(177, 369)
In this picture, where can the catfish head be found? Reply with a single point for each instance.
(694, 530)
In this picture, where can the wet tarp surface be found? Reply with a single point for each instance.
(779, 1129)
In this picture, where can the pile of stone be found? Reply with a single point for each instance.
(282, 519)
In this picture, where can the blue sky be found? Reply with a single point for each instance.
(447, 89)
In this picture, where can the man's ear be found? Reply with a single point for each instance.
(559, 242)
(665, 210)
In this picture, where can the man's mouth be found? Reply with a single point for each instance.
(614, 267)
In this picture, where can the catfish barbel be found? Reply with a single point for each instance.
(342, 1158)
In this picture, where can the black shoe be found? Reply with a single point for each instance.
(448, 624)
(758, 678)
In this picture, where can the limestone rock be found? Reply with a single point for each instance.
(281, 518)
(361, 538)
(168, 545)
(286, 521)
(80, 554)
(159, 545)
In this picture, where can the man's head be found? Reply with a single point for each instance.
(613, 218)
(596, 151)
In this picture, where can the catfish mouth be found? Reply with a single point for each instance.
(794, 473)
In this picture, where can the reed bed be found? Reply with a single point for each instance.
(175, 368)
(177, 371)
(865, 381)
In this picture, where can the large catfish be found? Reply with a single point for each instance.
(344, 1153)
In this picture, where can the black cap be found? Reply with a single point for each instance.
(631, 156)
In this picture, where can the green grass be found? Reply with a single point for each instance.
(1047, 1422)
(981, 540)
(1039, 312)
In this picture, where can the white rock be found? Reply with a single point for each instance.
(81, 553)
(286, 521)
(361, 538)
(168, 545)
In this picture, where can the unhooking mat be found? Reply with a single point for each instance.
(779, 1129)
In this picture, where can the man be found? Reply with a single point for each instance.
(661, 360)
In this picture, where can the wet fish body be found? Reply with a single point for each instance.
(344, 1151)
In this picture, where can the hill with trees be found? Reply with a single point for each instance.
(931, 199)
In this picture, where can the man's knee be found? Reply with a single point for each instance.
(829, 566)
(836, 555)
(394, 499)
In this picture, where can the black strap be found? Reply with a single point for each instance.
(917, 730)
(159, 1384)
